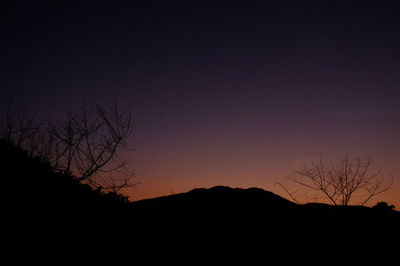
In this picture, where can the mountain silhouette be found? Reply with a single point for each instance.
(248, 212)
(216, 198)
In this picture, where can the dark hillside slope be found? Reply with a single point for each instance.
(32, 188)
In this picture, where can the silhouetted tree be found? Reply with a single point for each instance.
(341, 181)
(87, 143)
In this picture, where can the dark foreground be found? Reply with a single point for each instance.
(47, 210)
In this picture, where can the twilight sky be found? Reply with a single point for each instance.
(230, 93)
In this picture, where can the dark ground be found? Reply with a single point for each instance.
(41, 206)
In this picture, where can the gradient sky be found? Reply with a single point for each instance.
(230, 93)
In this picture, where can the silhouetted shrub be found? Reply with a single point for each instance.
(384, 206)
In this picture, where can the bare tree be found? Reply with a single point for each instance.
(340, 182)
(88, 143)
(20, 128)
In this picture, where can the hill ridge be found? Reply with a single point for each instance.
(217, 195)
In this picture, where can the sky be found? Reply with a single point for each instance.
(234, 93)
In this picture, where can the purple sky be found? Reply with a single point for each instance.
(230, 93)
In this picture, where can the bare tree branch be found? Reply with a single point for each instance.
(342, 181)
(88, 143)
